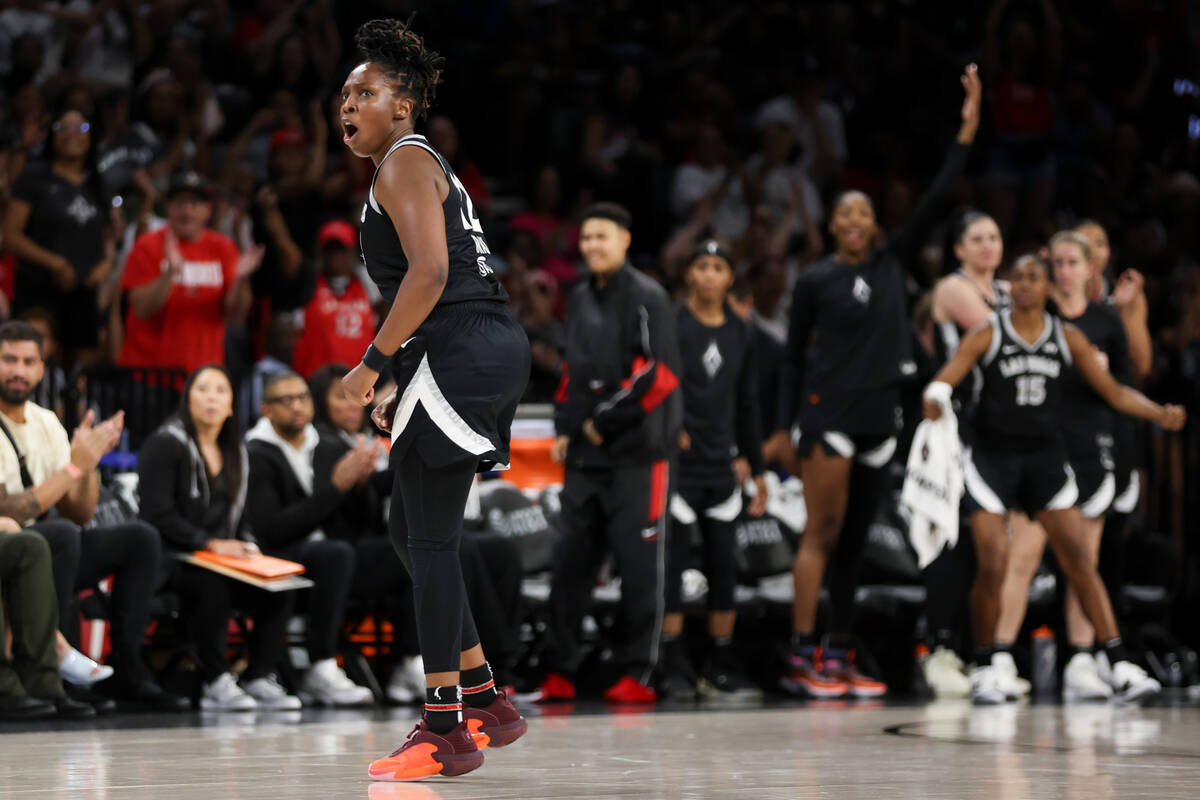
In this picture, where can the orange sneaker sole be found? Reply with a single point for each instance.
(418, 763)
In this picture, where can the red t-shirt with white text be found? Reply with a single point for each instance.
(189, 330)
(337, 328)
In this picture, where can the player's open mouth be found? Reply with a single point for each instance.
(350, 128)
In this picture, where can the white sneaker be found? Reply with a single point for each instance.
(944, 674)
(1082, 682)
(1130, 683)
(80, 670)
(271, 696)
(407, 684)
(326, 684)
(224, 694)
(985, 687)
(1011, 683)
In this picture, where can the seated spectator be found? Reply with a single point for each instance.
(490, 563)
(51, 392)
(287, 507)
(192, 475)
(42, 469)
(58, 227)
(184, 282)
(29, 683)
(339, 320)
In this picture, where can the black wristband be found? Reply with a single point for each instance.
(374, 359)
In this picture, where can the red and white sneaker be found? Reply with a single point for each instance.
(496, 725)
(427, 754)
(858, 684)
(808, 677)
(628, 690)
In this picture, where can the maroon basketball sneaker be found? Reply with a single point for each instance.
(426, 754)
(496, 725)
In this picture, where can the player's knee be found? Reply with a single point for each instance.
(824, 531)
(992, 566)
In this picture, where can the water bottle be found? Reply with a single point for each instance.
(1045, 662)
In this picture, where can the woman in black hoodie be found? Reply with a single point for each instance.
(192, 482)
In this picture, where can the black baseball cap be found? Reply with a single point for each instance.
(189, 182)
(711, 247)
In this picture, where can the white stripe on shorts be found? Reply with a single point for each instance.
(977, 487)
(1127, 501)
(1096, 505)
(1067, 496)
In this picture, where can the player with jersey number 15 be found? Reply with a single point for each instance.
(1019, 463)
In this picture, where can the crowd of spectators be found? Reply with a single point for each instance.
(172, 197)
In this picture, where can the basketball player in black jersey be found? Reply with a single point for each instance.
(721, 421)
(962, 301)
(1018, 461)
(1087, 428)
(849, 350)
(460, 363)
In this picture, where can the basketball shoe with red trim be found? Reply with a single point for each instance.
(808, 676)
(496, 725)
(426, 754)
(842, 667)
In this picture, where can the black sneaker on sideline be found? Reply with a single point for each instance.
(678, 676)
(723, 679)
(67, 708)
(21, 708)
(82, 694)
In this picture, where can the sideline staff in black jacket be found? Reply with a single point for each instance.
(617, 418)
(288, 507)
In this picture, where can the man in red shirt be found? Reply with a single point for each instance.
(184, 282)
(339, 321)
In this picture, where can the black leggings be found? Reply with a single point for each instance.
(948, 580)
(720, 549)
(426, 526)
(868, 487)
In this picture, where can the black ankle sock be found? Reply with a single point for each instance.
(983, 655)
(478, 687)
(1076, 650)
(1115, 649)
(1005, 647)
(443, 708)
(804, 643)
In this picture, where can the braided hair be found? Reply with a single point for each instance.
(392, 46)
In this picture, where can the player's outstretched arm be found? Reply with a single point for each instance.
(1127, 400)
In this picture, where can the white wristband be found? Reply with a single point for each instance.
(939, 392)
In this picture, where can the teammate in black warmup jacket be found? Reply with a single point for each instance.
(1087, 426)
(460, 362)
(720, 422)
(617, 415)
(849, 349)
(1018, 461)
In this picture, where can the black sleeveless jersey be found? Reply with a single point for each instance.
(949, 335)
(470, 276)
(1085, 413)
(1023, 383)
